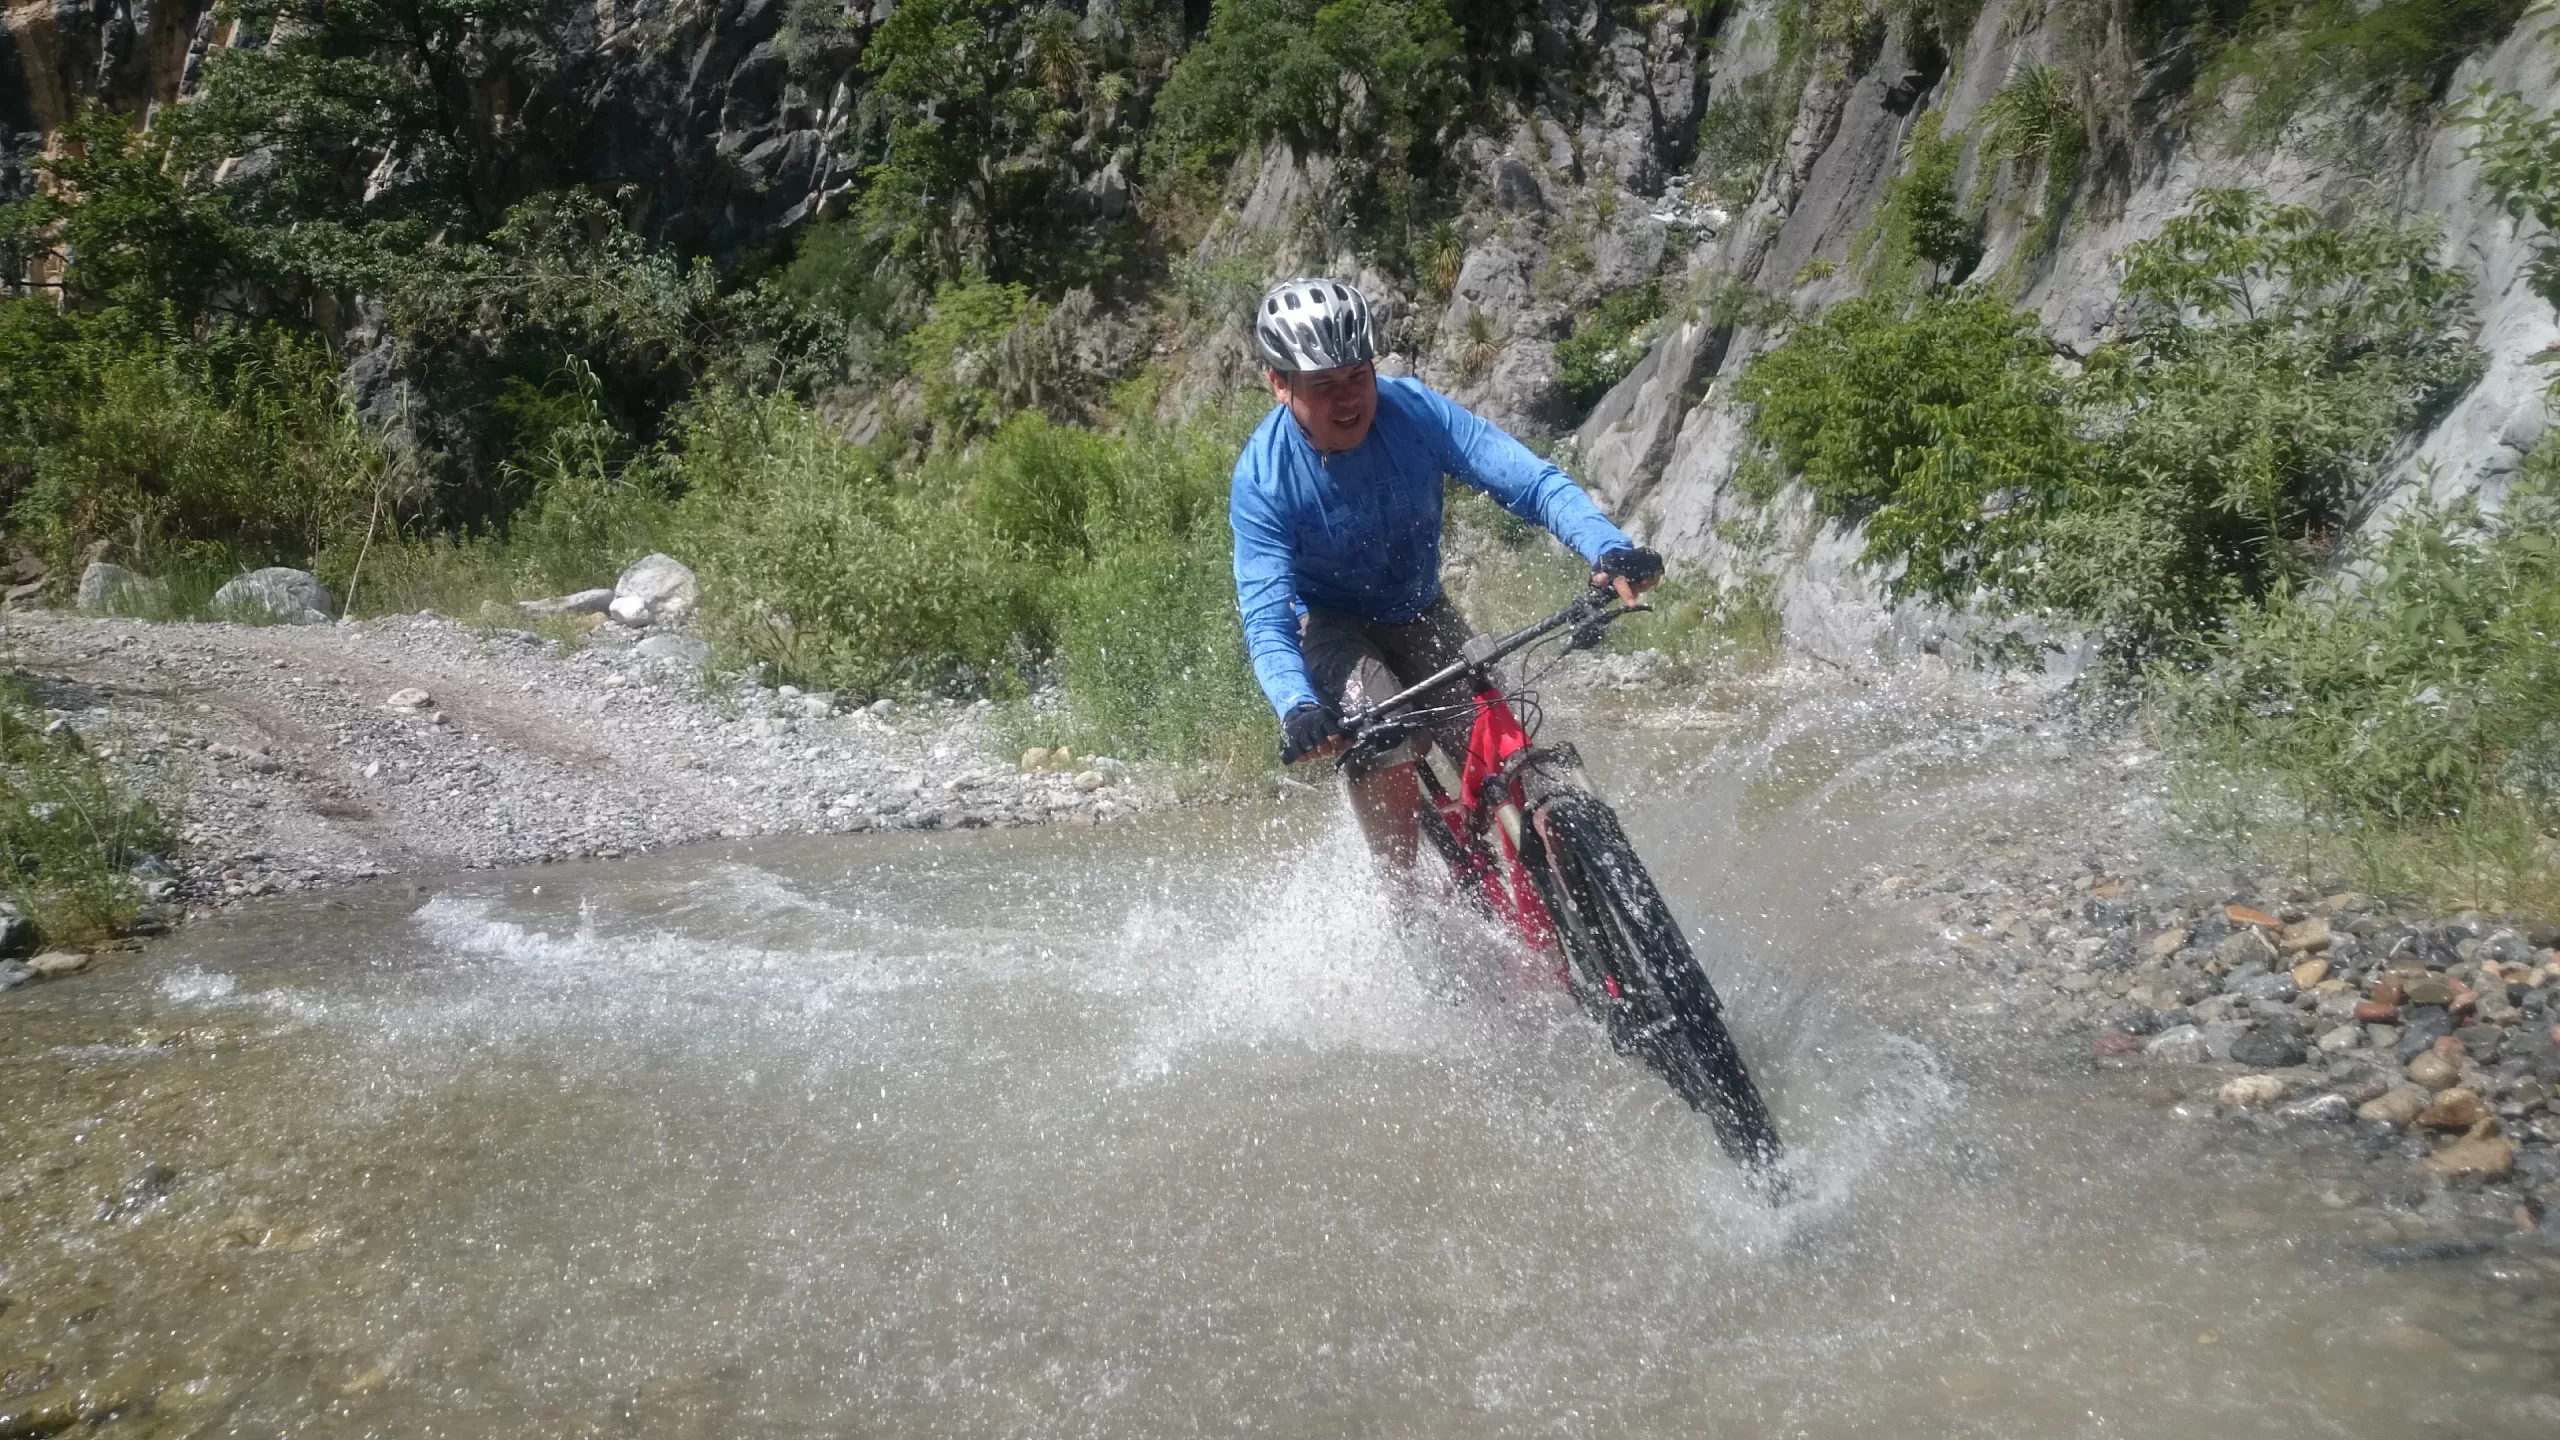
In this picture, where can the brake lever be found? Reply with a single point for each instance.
(1587, 634)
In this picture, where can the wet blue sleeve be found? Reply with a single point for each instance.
(1266, 594)
(1482, 454)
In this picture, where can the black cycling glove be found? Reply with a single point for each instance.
(1636, 566)
(1304, 728)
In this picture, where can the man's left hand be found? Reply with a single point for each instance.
(1629, 572)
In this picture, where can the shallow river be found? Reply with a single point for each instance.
(1170, 1129)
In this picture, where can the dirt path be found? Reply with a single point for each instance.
(294, 766)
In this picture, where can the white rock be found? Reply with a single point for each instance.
(2318, 1110)
(583, 602)
(2343, 1038)
(2179, 1044)
(412, 698)
(113, 590)
(662, 580)
(681, 649)
(631, 610)
(294, 597)
(2251, 1092)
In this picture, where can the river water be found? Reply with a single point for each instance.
(1172, 1129)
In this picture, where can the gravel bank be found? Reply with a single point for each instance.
(308, 755)
(2426, 1046)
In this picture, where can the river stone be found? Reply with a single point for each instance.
(2426, 990)
(2396, 1106)
(583, 602)
(2433, 1071)
(107, 589)
(2310, 973)
(2251, 1092)
(2304, 937)
(2277, 986)
(292, 597)
(665, 583)
(2167, 943)
(54, 964)
(682, 649)
(2487, 1158)
(2341, 1039)
(2245, 946)
(2454, 1110)
(2177, 1045)
(410, 698)
(2420, 1028)
(630, 610)
(2220, 1035)
(2267, 1050)
(2319, 1110)
(2482, 1041)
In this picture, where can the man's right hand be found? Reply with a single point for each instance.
(1308, 729)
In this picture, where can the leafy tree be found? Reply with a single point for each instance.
(1940, 423)
(126, 226)
(2518, 149)
(349, 131)
(981, 104)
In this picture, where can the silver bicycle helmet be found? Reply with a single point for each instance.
(1314, 324)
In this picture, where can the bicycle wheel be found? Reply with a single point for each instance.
(1668, 1012)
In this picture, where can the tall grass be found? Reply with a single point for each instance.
(69, 835)
(2403, 724)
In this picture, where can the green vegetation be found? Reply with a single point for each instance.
(2287, 56)
(2403, 726)
(69, 838)
(1922, 221)
(2218, 451)
(1607, 343)
(2035, 121)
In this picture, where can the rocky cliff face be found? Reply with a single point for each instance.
(719, 130)
(1664, 446)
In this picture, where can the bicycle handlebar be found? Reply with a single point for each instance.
(1590, 614)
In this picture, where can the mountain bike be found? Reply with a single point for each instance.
(1530, 846)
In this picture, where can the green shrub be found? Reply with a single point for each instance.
(1921, 219)
(2518, 149)
(2245, 422)
(188, 454)
(981, 355)
(2218, 451)
(2408, 715)
(2035, 120)
(69, 836)
(813, 560)
(2288, 56)
(1940, 423)
(1607, 343)
(1743, 132)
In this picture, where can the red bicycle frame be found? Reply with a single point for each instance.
(1489, 804)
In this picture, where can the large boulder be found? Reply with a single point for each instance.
(291, 597)
(107, 589)
(662, 582)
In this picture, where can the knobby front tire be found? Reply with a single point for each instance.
(1667, 1012)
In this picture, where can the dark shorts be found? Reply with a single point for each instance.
(1356, 663)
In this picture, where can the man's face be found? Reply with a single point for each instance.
(1333, 406)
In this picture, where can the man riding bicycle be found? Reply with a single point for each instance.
(1336, 513)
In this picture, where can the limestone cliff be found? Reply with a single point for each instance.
(1663, 447)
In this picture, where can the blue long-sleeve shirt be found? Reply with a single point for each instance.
(1360, 531)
